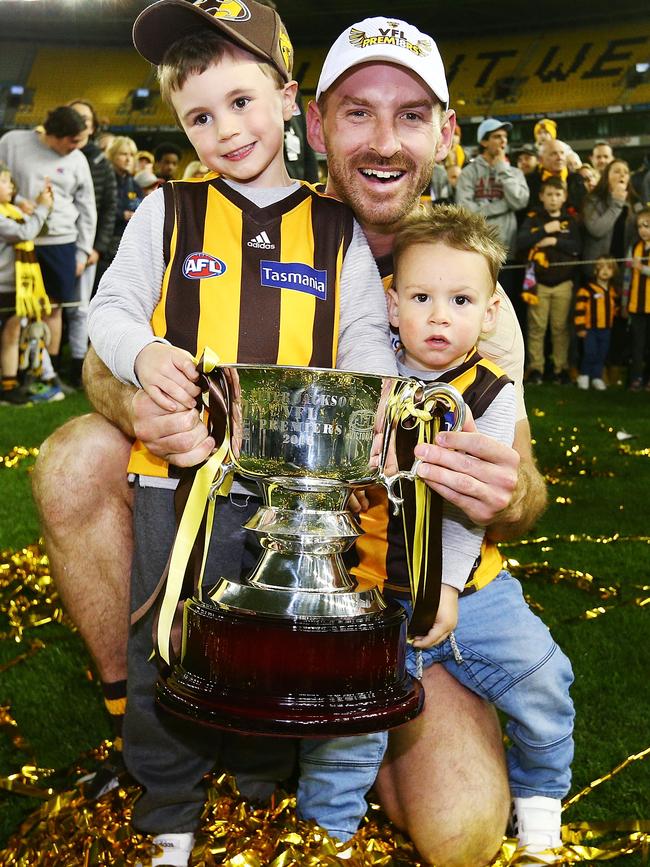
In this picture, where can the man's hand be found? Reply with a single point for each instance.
(178, 437)
(168, 375)
(445, 622)
(471, 470)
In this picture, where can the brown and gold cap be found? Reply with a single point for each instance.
(250, 25)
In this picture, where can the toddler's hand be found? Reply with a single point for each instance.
(168, 375)
(446, 619)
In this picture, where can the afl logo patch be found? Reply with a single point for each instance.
(200, 266)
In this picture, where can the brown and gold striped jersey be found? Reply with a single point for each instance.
(256, 285)
(595, 307)
(639, 300)
(380, 554)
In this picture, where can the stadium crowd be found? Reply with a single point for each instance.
(577, 230)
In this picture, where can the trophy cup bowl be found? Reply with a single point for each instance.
(299, 647)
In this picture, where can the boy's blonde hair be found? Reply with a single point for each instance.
(119, 142)
(193, 54)
(454, 226)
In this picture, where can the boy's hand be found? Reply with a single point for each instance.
(552, 226)
(168, 375)
(178, 437)
(446, 619)
(549, 241)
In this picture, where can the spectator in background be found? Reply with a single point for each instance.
(453, 173)
(456, 155)
(596, 306)
(440, 189)
(605, 214)
(553, 162)
(544, 130)
(608, 227)
(636, 300)
(105, 188)
(589, 175)
(195, 169)
(489, 185)
(601, 155)
(147, 181)
(21, 285)
(526, 157)
(550, 236)
(640, 183)
(166, 159)
(144, 160)
(66, 240)
(105, 139)
(121, 154)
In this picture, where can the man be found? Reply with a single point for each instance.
(526, 158)
(167, 157)
(383, 129)
(553, 162)
(492, 187)
(66, 241)
(601, 155)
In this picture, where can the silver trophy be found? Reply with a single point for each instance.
(300, 647)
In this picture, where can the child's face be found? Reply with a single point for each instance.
(643, 227)
(604, 272)
(6, 188)
(233, 114)
(443, 301)
(552, 198)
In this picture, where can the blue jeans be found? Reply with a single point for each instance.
(594, 352)
(507, 656)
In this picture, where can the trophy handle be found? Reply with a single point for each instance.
(414, 406)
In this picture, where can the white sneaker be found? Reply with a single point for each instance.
(177, 849)
(583, 381)
(598, 384)
(537, 825)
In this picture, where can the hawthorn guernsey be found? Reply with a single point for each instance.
(294, 275)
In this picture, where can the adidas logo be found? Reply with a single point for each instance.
(261, 242)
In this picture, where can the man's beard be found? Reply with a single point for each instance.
(371, 207)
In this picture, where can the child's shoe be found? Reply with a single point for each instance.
(177, 849)
(583, 381)
(536, 823)
(598, 384)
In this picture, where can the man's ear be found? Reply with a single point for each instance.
(491, 311)
(393, 308)
(315, 135)
(447, 127)
(289, 93)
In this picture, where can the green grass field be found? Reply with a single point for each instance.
(598, 494)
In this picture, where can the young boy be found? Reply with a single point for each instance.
(261, 269)
(443, 299)
(636, 300)
(596, 307)
(21, 283)
(550, 237)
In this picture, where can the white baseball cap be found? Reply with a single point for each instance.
(392, 41)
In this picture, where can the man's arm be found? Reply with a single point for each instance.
(496, 486)
(110, 397)
(178, 437)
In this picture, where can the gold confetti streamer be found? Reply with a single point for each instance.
(16, 456)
